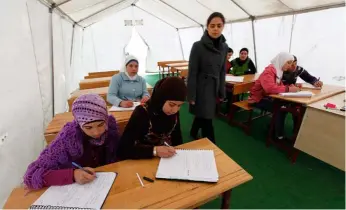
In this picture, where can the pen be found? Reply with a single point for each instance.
(169, 146)
(148, 179)
(140, 180)
(81, 168)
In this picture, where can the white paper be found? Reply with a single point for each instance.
(309, 86)
(90, 195)
(121, 109)
(234, 78)
(300, 94)
(194, 165)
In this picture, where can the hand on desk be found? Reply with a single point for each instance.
(293, 89)
(82, 177)
(318, 84)
(126, 104)
(164, 151)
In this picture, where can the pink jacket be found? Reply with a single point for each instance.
(266, 85)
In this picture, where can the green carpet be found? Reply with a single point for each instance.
(309, 183)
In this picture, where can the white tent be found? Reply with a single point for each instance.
(47, 46)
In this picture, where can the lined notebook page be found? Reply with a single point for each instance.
(121, 109)
(91, 195)
(194, 165)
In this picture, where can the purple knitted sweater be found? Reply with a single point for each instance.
(53, 166)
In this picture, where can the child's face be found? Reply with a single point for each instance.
(287, 66)
(94, 129)
(171, 107)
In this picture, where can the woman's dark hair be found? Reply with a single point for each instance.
(214, 15)
(295, 58)
(230, 50)
(244, 49)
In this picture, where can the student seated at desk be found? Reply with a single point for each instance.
(90, 140)
(269, 82)
(156, 123)
(127, 86)
(243, 65)
(290, 77)
(228, 63)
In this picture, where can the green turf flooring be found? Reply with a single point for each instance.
(309, 183)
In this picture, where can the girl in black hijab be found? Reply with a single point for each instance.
(155, 125)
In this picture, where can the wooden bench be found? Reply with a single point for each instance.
(101, 74)
(244, 105)
(162, 64)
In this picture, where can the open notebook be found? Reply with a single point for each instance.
(120, 109)
(300, 94)
(234, 78)
(76, 196)
(192, 165)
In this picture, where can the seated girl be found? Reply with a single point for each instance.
(155, 125)
(290, 77)
(243, 65)
(90, 140)
(269, 82)
(127, 86)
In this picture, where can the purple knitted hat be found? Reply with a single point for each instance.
(89, 108)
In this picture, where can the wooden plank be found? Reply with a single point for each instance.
(163, 63)
(322, 135)
(326, 92)
(338, 100)
(101, 75)
(184, 64)
(94, 83)
(104, 73)
(127, 192)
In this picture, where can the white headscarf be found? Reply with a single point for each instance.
(128, 59)
(279, 61)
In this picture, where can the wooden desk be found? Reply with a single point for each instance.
(100, 91)
(183, 64)
(322, 132)
(299, 110)
(94, 83)
(127, 193)
(162, 64)
(101, 74)
(242, 87)
(59, 120)
(104, 73)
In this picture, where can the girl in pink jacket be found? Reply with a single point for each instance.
(269, 82)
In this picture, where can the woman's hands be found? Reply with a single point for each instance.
(82, 177)
(164, 151)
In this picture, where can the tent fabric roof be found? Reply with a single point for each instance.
(187, 13)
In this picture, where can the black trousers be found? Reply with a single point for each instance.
(207, 128)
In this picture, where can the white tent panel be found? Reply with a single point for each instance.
(318, 42)
(192, 9)
(77, 58)
(272, 36)
(239, 35)
(225, 6)
(108, 39)
(56, 1)
(166, 13)
(188, 37)
(100, 15)
(73, 6)
(163, 45)
(308, 4)
(263, 7)
(88, 53)
(21, 113)
(40, 28)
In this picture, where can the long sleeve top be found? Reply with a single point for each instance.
(122, 88)
(290, 77)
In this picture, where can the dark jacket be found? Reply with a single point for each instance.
(206, 79)
(290, 77)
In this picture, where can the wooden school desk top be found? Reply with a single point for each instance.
(112, 72)
(338, 100)
(177, 64)
(163, 63)
(127, 192)
(94, 83)
(61, 119)
(326, 92)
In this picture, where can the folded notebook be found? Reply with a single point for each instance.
(192, 165)
(300, 94)
(76, 196)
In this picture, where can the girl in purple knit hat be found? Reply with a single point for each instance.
(90, 140)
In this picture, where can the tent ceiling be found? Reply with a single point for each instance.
(187, 13)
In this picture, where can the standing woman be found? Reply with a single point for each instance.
(206, 79)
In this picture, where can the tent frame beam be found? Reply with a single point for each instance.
(180, 12)
(62, 3)
(98, 12)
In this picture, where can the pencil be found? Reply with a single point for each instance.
(140, 180)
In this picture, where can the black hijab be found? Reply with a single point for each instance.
(166, 89)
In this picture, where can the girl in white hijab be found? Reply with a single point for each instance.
(282, 62)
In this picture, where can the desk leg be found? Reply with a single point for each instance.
(226, 199)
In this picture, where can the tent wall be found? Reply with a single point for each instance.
(24, 66)
(188, 36)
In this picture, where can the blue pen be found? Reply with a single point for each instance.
(81, 168)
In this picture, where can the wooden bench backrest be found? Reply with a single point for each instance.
(242, 88)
